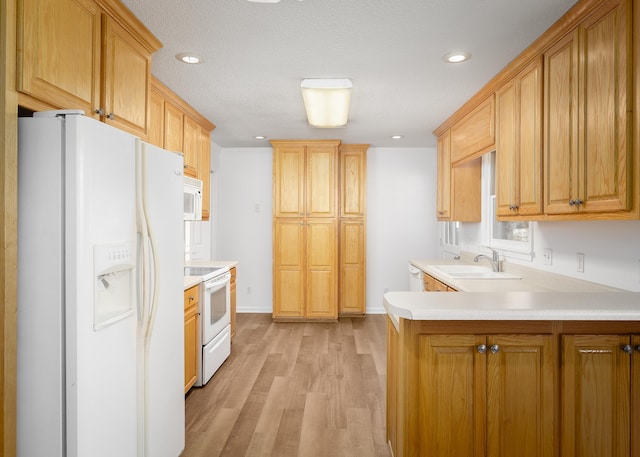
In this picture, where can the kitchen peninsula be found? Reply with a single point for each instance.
(530, 373)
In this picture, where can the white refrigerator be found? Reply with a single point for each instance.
(100, 292)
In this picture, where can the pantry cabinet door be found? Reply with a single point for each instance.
(322, 269)
(288, 181)
(59, 56)
(352, 267)
(322, 180)
(288, 268)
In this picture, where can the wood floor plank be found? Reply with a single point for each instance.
(294, 390)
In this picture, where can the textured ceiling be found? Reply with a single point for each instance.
(257, 54)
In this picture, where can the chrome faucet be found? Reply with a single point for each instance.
(495, 259)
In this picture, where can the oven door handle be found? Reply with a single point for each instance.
(218, 283)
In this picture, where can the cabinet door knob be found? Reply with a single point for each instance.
(111, 116)
(572, 202)
(100, 111)
(494, 348)
(578, 202)
(638, 348)
(482, 348)
(627, 348)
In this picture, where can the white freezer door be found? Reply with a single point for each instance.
(77, 384)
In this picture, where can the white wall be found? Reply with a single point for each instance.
(611, 248)
(401, 222)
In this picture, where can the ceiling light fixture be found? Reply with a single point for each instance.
(260, 137)
(396, 137)
(456, 57)
(189, 57)
(326, 101)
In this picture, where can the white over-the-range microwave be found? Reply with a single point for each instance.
(192, 199)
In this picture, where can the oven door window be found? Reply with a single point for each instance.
(218, 305)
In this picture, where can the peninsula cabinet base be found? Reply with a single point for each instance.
(513, 388)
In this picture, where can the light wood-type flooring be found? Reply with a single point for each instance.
(294, 389)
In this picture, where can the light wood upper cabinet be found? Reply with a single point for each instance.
(177, 127)
(59, 52)
(443, 191)
(458, 196)
(353, 180)
(596, 390)
(126, 79)
(191, 147)
(353, 261)
(588, 150)
(204, 170)
(85, 54)
(173, 127)
(519, 144)
(156, 120)
(474, 134)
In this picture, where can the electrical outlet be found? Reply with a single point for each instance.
(580, 265)
(248, 290)
(547, 256)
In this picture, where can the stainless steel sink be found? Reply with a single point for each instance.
(470, 272)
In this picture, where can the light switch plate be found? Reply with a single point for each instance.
(547, 256)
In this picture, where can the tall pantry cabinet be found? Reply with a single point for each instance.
(309, 219)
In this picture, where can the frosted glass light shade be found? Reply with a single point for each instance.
(326, 101)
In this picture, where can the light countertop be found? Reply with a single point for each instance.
(538, 295)
(190, 281)
(588, 306)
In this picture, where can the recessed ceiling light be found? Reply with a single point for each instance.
(260, 137)
(456, 57)
(396, 137)
(189, 57)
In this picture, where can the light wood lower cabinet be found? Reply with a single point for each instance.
(532, 388)
(191, 329)
(392, 386)
(506, 387)
(431, 284)
(599, 395)
(232, 291)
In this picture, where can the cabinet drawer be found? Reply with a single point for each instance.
(191, 296)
